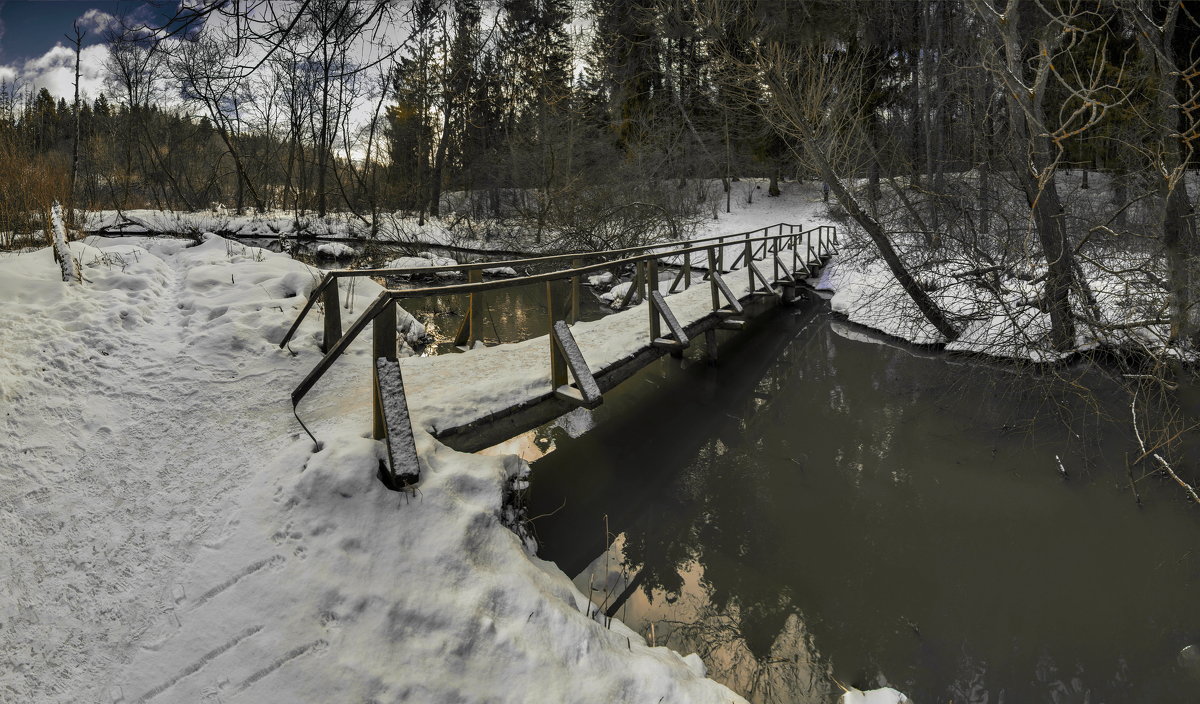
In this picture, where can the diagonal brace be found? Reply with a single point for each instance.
(660, 304)
(766, 284)
(732, 300)
(585, 392)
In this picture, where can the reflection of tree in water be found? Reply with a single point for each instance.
(790, 671)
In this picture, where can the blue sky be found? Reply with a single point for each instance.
(32, 34)
(29, 28)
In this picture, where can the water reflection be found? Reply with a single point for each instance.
(822, 508)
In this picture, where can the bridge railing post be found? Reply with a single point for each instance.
(795, 247)
(652, 285)
(558, 364)
(383, 344)
(712, 277)
(749, 253)
(575, 291)
(687, 270)
(332, 331)
(721, 254)
(471, 329)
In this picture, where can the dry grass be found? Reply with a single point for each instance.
(29, 184)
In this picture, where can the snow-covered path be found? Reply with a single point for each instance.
(93, 543)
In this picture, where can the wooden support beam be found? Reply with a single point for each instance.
(676, 280)
(470, 330)
(748, 253)
(634, 288)
(333, 317)
(575, 291)
(710, 345)
(659, 304)
(383, 346)
(712, 278)
(652, 281)
(643, 280)
(585, 392)
(403, 466)
(558, 364)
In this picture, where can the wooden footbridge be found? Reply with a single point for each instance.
(576, 362)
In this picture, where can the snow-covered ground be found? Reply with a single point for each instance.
(169, 534)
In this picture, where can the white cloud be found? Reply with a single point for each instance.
(55, 71)
(96, 21)
(8, 75)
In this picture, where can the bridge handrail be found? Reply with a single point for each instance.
(385, 297)
(334, 274)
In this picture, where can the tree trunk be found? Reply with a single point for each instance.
(878, 236)
(1048, 217)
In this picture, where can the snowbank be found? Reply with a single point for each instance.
(887, 695)
(170, 534)
(421, 261)
(335, 250)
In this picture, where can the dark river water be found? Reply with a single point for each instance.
(823, 508)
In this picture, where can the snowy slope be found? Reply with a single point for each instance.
(169, 534)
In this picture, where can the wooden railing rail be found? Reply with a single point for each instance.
(564, 353)
(330, 297)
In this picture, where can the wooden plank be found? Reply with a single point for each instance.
(586, 392)
(403, 464)
(658, 302)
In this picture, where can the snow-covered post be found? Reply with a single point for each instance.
(61, 253)
(383, 346)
